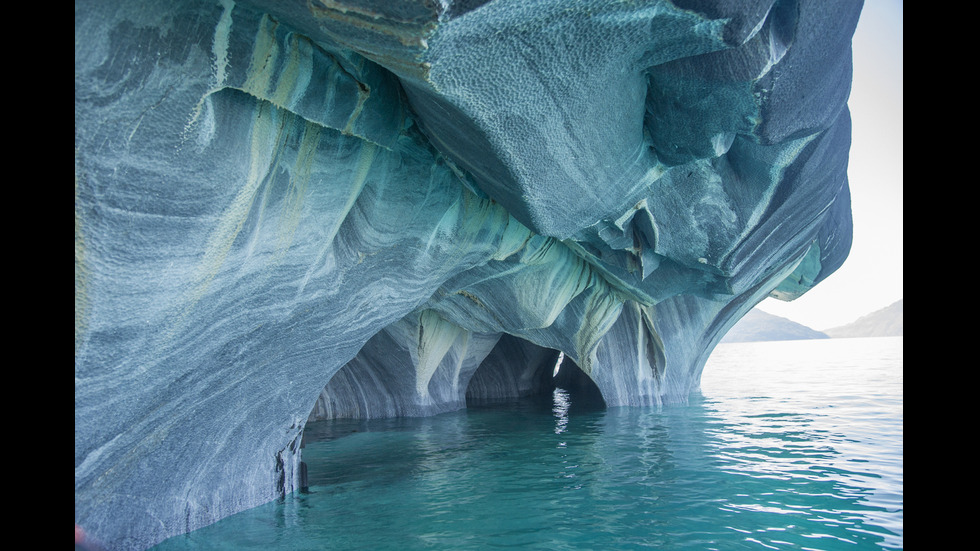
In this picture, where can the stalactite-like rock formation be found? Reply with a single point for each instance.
(365, 208)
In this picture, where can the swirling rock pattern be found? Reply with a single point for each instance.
(367, 208)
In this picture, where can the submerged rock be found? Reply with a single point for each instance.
(295, 210)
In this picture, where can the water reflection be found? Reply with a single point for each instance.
(562, 403)
(752, 471)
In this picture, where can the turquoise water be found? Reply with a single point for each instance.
(793, 445)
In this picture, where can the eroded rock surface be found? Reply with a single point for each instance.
(294, 210)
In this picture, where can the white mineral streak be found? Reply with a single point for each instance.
(219, 46)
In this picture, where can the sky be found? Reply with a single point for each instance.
(872, 276)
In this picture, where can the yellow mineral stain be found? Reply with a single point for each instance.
(458, 368)
(552, 267)
(264, 56)
(476, 300)
(219, 46)
(364, 164)
(267, 135)
(408, 33)
(363, 93)
(659, 360)
(331, 91)
(295, 75)
(292, 207)
(435, 337)
(219, 63)
(514, 238)
(602, 310)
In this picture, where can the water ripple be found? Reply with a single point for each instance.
(775, 468)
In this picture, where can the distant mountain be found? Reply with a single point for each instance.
(761, 326)
(886, 322)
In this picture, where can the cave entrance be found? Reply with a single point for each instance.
(517, 376)
(580, 390)
(518, 371)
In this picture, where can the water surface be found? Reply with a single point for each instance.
(792, 445)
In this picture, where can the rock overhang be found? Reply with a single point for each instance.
(278, 201)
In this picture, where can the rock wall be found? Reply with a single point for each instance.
(290, 209)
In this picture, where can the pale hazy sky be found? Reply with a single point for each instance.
(871, 277)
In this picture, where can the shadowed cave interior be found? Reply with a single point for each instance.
(516, 373)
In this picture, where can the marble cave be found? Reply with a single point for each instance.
(288, 211)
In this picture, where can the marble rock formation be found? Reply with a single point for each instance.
(290, 209)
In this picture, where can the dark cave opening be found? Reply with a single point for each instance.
(518, 370)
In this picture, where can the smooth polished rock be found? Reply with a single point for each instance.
(366, 208)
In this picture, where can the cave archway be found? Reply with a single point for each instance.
(518, 369)
(474, 370)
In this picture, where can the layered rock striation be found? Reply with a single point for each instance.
(364, 208)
